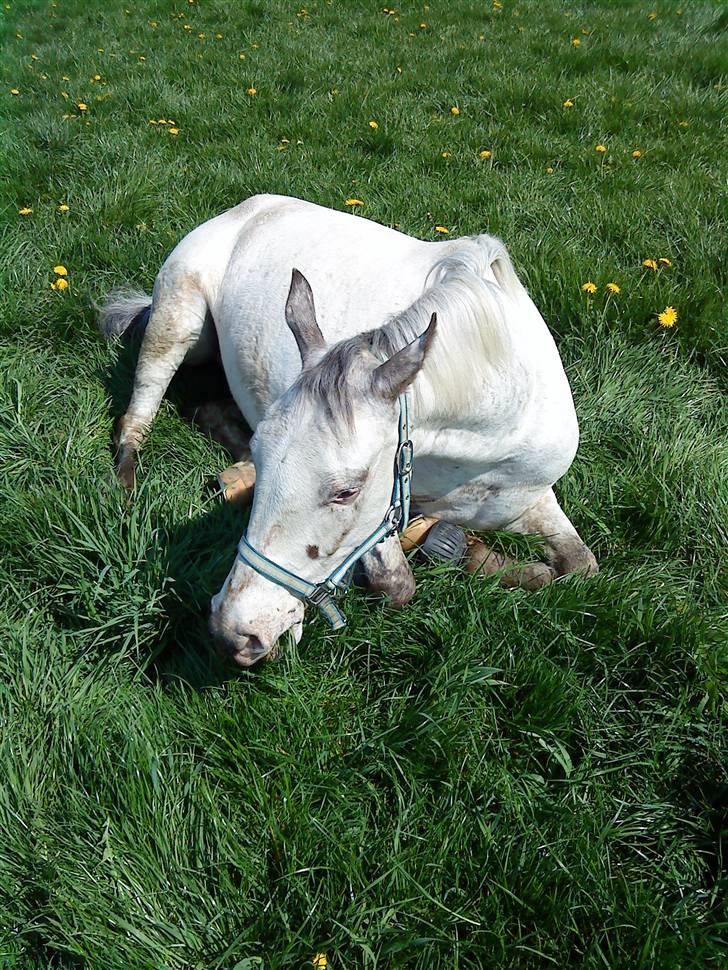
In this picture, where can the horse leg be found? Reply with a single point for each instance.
(387, 571)
(565, 551)
(483, 560)
(223, 422)
(174, 329)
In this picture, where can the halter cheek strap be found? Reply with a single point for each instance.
(323, 594)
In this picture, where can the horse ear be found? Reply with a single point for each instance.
(395, 375)
(301, 317)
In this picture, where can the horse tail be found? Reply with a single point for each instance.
(124, 312)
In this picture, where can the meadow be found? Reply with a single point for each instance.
(488, 777)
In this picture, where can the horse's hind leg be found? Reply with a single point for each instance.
(565, 550)
(174, 330)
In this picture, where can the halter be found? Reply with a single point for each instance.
(323, 594)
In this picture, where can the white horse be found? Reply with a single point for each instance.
(492, 417)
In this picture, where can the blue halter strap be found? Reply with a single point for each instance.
(323, 594)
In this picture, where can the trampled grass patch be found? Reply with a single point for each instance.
(489, 777)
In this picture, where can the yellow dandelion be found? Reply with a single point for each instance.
(59, 284)
(60, 270)
(25, 211)
(454, 110)
(423, 26)
(188, 26)
(485, 153)
(14, 91)
(34, 57)
(319, 961)
(576, 41)
(354, 202)
(589, 287)
(683, 124)
(568, 103)
(652, 15)
(650, 263)
(664, 261)
(373, 124)
(442, 229)
(242, 56)
(97, 77)
(173, 131)
(636, 153)
(252, 91)
(81, 106)
(600, 148)
(668, 317)
(63, 207)
(549, 170)
(497, 5)
(218, 36)
(446, 154)
(614, 288)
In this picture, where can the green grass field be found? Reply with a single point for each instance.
(488, 778)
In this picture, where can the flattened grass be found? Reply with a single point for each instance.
(488, 777)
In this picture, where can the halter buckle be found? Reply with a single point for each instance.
(320, 594)
(405, 457)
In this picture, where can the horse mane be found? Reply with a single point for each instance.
(472, 339)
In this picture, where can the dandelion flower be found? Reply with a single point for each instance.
(63, 207)
(14, 91)
(668, 317)
(568, 103)
(549, 170)
(59, 284)
(446, 154)
(319, 961)
(576, 41)
(353, 202)
(652, 15)
(60, 270)
(486, 153)
(81, 106)
(589, 287)
(173, 131)
(614, 288)
(636, 153)
(97, 77)
(442, 229)
(664, 261)
(251, 91)
(373, 124)
(650, 263)
(25, 211)
(600, 148)
(454, 110)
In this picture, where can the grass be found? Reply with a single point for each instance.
(489, 778)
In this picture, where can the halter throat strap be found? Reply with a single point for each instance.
(323, 595)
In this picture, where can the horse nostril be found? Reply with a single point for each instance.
(242, 647)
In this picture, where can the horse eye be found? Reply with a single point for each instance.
(346, 495)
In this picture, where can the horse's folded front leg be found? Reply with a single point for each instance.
(387, 571)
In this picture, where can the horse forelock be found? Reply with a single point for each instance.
(332, 382)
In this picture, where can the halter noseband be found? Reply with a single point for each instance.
(323, 594)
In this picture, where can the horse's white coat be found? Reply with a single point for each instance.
(493, 419)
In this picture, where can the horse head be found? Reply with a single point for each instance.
(324, 458)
